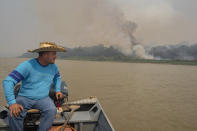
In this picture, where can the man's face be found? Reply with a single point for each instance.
(50, 57)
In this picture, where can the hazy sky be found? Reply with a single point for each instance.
(24, 23)
(163, 21)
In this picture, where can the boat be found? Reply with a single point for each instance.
(79, 115)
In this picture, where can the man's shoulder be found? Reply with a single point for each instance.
(24, 67)
(27, 63)
(54, 65)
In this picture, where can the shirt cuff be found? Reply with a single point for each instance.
(58, 90)
(11, 102)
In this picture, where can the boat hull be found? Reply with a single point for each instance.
(89, 117)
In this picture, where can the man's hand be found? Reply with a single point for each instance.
(59, 95)
(15, 109)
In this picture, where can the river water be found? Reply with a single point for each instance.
(135, 97)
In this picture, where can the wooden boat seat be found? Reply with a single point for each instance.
(33, 111)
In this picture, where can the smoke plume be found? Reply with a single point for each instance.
(182, 51)
(88, 23)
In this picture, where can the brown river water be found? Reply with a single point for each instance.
(135, 97)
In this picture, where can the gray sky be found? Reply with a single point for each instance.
(163, 21)
(73, 23)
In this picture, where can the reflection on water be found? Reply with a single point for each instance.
(138, 97)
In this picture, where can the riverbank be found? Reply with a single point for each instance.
(132, 60)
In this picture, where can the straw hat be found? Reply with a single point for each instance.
(48, 46)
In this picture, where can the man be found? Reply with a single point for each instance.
(36, 76)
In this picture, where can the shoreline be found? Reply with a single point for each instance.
(171, 62)
(126, 60)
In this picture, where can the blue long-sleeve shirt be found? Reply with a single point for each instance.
(35, 78)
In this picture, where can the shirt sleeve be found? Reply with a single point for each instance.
(57, 80)
(12, 79)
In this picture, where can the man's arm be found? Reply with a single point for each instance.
(12, 79)
(8, 84)
(57, 84)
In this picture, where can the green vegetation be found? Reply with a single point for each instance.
(102, 53)
(132, 60)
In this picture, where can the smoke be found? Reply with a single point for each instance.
(139, 52)
(182, 51)
(88, 23)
